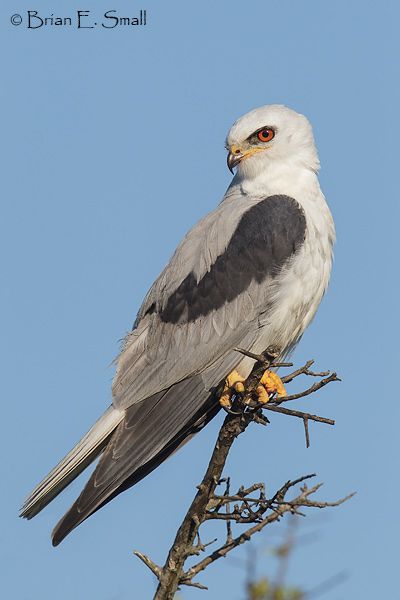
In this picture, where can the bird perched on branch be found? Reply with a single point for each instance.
(251, 273)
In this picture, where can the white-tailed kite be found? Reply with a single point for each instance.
(250, 274)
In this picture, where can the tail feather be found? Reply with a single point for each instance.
(85, 451)
(150, 432)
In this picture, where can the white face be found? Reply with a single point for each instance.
(269, 134)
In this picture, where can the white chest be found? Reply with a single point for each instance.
(301, 286)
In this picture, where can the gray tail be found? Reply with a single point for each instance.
(85, 451)
(148, 434)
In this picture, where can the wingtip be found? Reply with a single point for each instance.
(60, 532)
(67, 523)
(55, 541)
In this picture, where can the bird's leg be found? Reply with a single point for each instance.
(270, 383)
(233, 383)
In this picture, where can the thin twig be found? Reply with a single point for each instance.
(310, 390)
(298, 413)
(290, 506)
(305, 421)
(149, 563)
(302, 370)
(229, 536)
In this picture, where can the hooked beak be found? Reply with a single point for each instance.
(234, 157)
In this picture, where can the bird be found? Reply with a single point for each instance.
(249, 274)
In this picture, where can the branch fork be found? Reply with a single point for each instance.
(250, 505)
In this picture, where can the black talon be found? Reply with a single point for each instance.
(229, 411)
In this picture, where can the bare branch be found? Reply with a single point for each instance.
(248, 507)
(284, 507)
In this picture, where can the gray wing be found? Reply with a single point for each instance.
(210, 296)
(187, 330)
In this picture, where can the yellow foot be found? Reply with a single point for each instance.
(233, 383)
(270, 383)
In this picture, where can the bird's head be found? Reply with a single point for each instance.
(267, 135)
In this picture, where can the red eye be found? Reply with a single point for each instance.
(265, 135)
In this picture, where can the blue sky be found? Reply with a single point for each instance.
(113, 146)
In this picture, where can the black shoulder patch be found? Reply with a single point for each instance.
(267, 235)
